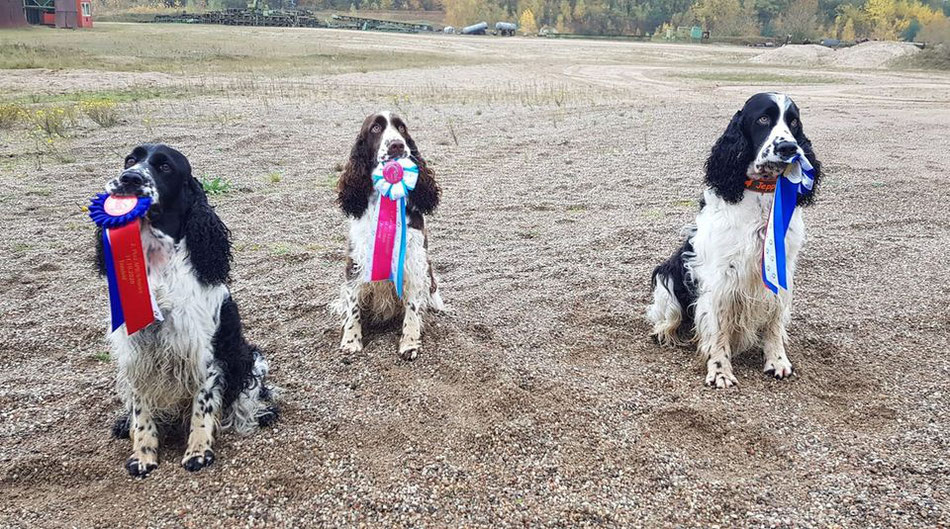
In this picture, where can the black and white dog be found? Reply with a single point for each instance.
(711, 290)
(195, 367)
(385, 136)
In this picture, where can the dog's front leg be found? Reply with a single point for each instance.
(714, 329)
(352, 341)
(774, 339)
(411, 340)
(144, 434)
(205, 416)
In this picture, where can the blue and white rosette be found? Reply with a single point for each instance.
(393, 180)
(798, 179)
(391, 187)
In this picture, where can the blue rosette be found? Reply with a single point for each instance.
(105, 220)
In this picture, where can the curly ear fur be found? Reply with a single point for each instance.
(100, 258)
(356, 182)
(729, 161)
(425, 197)
(208, 239)
(805, 144)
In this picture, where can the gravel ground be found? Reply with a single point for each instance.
(538, 400)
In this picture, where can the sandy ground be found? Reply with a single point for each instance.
(538, 401)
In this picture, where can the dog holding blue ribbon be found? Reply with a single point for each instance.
(728, 288)
(386, 190)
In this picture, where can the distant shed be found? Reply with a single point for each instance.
(12, 14)
(73, 14)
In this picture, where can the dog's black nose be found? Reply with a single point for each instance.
(396, 148)
(132, 178)
(786, 149)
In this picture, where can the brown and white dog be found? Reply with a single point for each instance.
(383, 137)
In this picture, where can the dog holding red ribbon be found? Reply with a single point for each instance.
(175, 330)
(729, 286)
(387, 189)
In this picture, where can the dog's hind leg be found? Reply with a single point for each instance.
(665, 313)
(144, 434)
(205, 416)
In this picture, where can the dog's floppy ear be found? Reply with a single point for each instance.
(356, 182)
(207, 238)
(425, 197)
(803, 142)
(729, 161)
(100, 258)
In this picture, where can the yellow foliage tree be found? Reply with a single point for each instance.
(527, 24)
(847, 32)
(727, 17)
(883, 19)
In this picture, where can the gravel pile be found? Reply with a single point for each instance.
(874, 54)
(795, 55)
(867, 55)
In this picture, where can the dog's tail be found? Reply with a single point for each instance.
(257, 405)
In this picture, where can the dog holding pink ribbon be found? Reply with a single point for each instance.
(386, 190)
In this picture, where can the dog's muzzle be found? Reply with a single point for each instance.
(131, 182)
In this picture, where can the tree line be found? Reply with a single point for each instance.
(803, 20)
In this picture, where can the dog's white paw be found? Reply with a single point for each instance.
(719, 374)
(778, 367)
(141, 464)
(351, 343)
(195, 461)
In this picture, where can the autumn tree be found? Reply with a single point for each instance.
(527, 24)
(727, 17)
(800, 20)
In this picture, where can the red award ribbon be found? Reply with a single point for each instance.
(131, 276)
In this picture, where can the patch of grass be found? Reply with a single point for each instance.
(576, 208)
(101, 356)
(280, 249)
(215, 185)
(52, 121)
(10, 115)
(170, 48)
(127, 95)
(274, 177)
(331, 181)
(756, 77)
(101, 111)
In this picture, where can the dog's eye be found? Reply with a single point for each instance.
(795, 123)
(129, 162)
(377, 129)
(764, 120)
(164, 168)
(402, 129)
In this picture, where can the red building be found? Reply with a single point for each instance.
(73, 14)
(11, 14)
(60, 13)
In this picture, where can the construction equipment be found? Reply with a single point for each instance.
(377, 24)
(506, 29)
(475, 29)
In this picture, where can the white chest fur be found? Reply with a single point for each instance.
(167, 361)
(728, 244)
